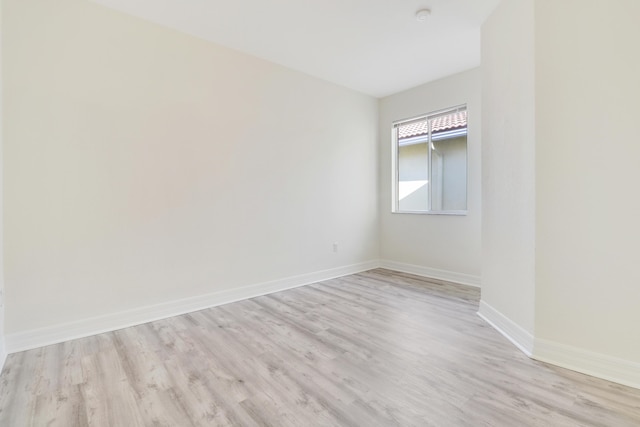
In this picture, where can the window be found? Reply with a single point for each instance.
(430, 163)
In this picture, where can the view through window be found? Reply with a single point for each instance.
(430, 163)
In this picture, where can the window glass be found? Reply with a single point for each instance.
(430, 163)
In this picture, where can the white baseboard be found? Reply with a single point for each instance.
(598, 365)
(434, 273)
(507, 327)
(595, 364)
(95, 325)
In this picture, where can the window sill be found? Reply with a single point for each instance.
(454, 213)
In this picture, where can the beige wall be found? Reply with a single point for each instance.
(508, 162)
(144, 166)
(412, 167)
(412, 162)
(453, 174)
(439, 242)
(587, 151)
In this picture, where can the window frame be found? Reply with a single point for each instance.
(395, 173)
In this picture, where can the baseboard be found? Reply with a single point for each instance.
(595, 364)
(576, 359)
(434, 273)
(507, 327)
(95, 325)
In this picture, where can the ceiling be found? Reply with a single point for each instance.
(373, 46)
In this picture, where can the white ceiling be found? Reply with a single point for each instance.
(373, 46)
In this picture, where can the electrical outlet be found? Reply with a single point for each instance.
(335, 246)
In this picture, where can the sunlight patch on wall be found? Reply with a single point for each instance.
(406, 188)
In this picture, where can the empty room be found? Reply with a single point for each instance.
(319, 213)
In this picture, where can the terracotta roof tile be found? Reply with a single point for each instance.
(448, 122)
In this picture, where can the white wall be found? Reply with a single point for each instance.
(560, 153)
(587, 150)
(144, 166)
(3, 349)
(433, 243)
(508, 166)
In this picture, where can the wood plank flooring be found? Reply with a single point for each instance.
(378, 348)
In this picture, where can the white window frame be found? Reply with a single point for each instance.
(395, 175)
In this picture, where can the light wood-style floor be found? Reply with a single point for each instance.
(373, 349)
